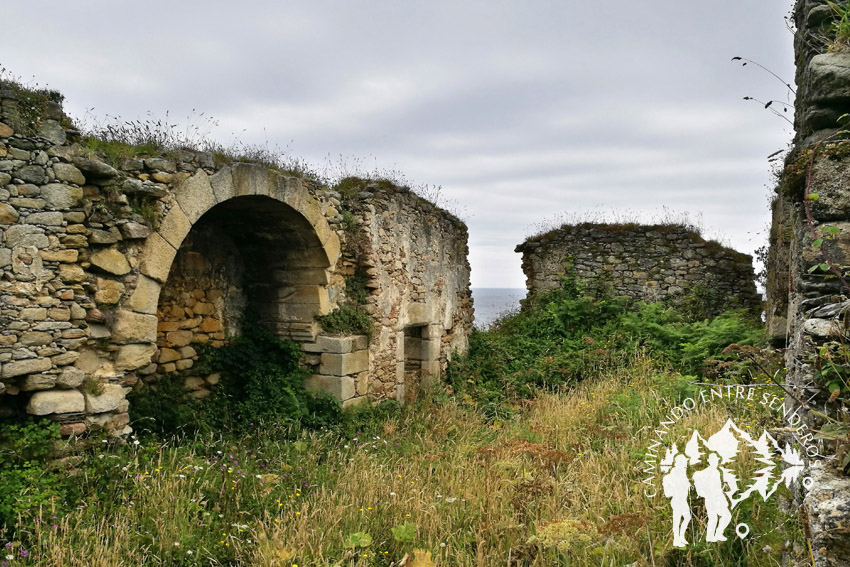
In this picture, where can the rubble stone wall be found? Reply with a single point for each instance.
(113, 266)
(644, 262)
(808, 305)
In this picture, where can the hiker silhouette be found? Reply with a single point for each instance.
(708, 484)
(676, 487)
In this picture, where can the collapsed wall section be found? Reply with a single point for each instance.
(116, 261)
(646, 262)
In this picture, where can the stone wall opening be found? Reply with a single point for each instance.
(413, 357)
(249, 257)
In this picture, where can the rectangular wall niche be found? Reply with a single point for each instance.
(418, 362)
(413, 356)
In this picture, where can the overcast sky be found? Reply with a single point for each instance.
(520, 110)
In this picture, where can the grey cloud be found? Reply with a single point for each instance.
(520, 110)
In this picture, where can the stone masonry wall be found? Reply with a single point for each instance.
(808, 306)
(644, 262)
(112, 267)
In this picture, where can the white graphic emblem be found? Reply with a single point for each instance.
(717, 484)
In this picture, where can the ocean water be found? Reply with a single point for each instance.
(491, 302)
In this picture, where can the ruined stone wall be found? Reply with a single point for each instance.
(807, 305)
(419, 276)
(112, 266)
(645, 262)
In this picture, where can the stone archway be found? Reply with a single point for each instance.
(250, 221)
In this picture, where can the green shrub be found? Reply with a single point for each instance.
(347, 319)
(570, 334)
(261, 382)
(28, 484)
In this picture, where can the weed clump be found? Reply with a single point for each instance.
(351, 317)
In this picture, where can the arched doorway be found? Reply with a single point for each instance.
(249, 254)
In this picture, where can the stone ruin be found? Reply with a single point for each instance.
(807, 305)
(112, 269)
(645, 262)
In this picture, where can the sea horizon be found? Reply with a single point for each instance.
(492, 302)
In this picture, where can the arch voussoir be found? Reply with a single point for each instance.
(195, 195)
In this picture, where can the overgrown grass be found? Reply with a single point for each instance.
(33, 101)
(534, 459)
(555, 484)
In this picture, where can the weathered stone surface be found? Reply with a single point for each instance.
(134, 230)
(60, 196)
(71, 378)
(175, 227)
(168, 355)
(354, 402)
(35, 382)
(33, 314)
(344, 364)
(160, 164)
(222, 185)
(340, 387)
(31, 174)
(144, 298)
(340, 345)
(52, 131)
(187, 352)
(103, 236)
(71, 273)
(47, 219)
(65, 358)
(131, 357)
(142, 188)
(26, 235)
(30, 366)
(195, 196)
(56, 401)
(109, 400)
(67, 256)
(108, 291)
(36, 338)
(27, 203)
(112, 261)
(8, 214)
(68, 173)
(5, 131)
(68, 429)
(179, 338)
(210, 325)
(132, 327)
(829, 77)
(95, 169)
(157, 257)
(822, 328)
